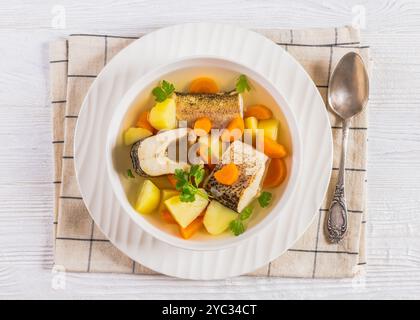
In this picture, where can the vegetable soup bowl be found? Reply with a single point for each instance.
(180, 72)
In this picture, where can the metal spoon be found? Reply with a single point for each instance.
(348, 94)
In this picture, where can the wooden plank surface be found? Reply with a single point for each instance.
(392, 29)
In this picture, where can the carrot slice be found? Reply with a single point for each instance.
(259, 111)
(172, 180)
(202, 126)
(192, 228)
(143, 122)
(276, 173)
(204, 85)
(274, 149)
(228, 174)
(234, 130)
(167, 217)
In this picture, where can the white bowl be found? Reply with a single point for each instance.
(139, 97)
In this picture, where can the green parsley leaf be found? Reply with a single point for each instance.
(246, 213)
(186, 185)
(182, 178)
(197, 172)
(163, 91)
(242, 84)
(130, 174)
(237, 227)
(187, 195)
(193, 169)
(168, 87)
(159, 94)
(264, 199)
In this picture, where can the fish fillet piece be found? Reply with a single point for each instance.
(150, 156)
(220, 108)
(251, 164)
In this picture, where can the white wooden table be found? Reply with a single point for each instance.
(26, 193)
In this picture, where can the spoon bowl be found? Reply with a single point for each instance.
(348, 91)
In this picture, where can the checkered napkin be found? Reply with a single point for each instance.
(80, 246)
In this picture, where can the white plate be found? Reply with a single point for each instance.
(227, 42)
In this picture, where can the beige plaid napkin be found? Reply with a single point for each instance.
(80, 246)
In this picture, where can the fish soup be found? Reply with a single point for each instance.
(189, 155)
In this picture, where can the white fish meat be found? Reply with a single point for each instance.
(251, 164)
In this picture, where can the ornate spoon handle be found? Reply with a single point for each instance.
(337, 215)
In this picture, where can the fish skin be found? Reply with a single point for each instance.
(251, 166)
(135, 159)
(220, 108)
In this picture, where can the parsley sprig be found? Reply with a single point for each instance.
(242, 84)
(237, 226)
(188, 182)
(163, 91)
(264, 199)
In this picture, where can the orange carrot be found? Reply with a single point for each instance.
(202, 126)
(274, 149)
(204, 85)
(192, 228)
(234, 130)
(143, 122)
(228, 174)
(167, 217)
(172, 180)
(276, 173)
(259, 111)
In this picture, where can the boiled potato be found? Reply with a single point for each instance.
(186, 212)
(218, 217)
(251, 123)
(163, 115)
(148, 198)
(166, 194)
(270, 127)
(132, 135)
